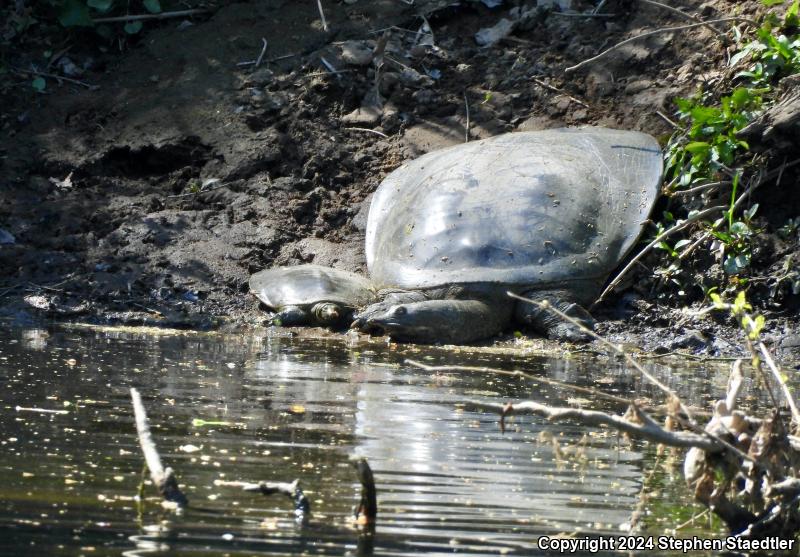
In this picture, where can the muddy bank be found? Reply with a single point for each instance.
(153, 194)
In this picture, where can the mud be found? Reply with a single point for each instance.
(153, 195)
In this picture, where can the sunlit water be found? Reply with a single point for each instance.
(244, 408)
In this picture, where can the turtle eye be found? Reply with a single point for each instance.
(400, 310)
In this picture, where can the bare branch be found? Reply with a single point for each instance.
(651, 33)
(649, 430)
(162, 15)
(163, 478)
(779, 377)
(666, 234)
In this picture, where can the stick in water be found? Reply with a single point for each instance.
(367, 509)
(163, 478)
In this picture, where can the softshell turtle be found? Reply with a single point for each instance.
(311, 294)
(547, 214)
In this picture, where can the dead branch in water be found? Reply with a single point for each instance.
(302, 507)
(367, 509)
(643, 426)
(163, 478)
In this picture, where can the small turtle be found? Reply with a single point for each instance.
(311, 295)
(546, 214)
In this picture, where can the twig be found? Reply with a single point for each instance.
(517, 373)
(40, 410)
(270, 60)
(466, 129)
(682, 14)
(322, 16)
(318, 74)
(559, 91)
(302, 507)
(734, 386)
(667, 119)
(776, 373)
(576, 14)
(649, 430)
(162, 15)
(57, 78)
(330, 67)
(651, 33)
(198, 192)
(685, 253)
(163, 478)
(263, 51)
(691, 520)
(669, 232)
(701, 187)
(376, 132)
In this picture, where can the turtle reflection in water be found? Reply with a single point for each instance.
(546, 214)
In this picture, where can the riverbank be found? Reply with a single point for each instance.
(148, 187)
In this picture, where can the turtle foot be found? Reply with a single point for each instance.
(551, 325)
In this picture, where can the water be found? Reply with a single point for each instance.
(274, 408)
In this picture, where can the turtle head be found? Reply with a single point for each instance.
(328, 314)
(407, 322)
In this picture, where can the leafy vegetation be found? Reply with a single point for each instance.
(77, 14)
(707, 150)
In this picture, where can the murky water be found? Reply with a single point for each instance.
(238, 408)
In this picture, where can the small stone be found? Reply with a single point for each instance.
(7, 238)
(637, 86)
(490, 35)
(356, 53)
(260, 77)
(367, 115)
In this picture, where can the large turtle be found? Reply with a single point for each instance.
(547, 214)
(311, 294)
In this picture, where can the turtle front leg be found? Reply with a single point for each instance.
(550, 325)
(290, 316)
(389, 298)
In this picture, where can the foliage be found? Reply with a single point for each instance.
(77, 14)
(707, 148)
(740, 309)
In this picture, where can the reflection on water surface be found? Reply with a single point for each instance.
(228, 408)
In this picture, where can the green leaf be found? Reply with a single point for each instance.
(740, 228)
(75, 13)
(682, 243)
(133, 27)
(792, 18)
(769, 3)
(698, 147)
(100, 5)
(39, 84)
(152, 6)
